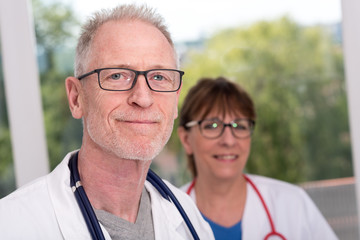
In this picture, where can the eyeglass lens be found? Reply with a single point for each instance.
(122, 79)
(213, 128)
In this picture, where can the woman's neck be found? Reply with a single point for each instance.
(222, 201)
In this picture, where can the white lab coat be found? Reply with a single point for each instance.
(294, 214)
(47, 209)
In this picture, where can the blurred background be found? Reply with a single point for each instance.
(287, 54)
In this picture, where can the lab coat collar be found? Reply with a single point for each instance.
(254, 216)
(71, 221)
(164, 211)
(67, 211)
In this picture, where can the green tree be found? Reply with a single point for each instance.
(55, 25)
(7, 178)
(295, 75)
(5, 145)
(55, 28)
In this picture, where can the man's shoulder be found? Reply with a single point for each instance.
(23, 206)
(31, 208)
(35, 188)
(38, 188)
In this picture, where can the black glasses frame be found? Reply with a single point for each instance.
(195, 122)
(137, 73)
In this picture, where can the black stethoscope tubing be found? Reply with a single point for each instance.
(87, 211)
(164, 190)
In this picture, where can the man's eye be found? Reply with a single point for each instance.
(115, 76)
(158, 77)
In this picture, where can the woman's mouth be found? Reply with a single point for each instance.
(226, 157)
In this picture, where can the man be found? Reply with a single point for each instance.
(126, 91)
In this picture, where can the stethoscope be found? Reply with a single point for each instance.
(88, 213)
(273, 232)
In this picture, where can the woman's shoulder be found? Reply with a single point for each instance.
(276, 186)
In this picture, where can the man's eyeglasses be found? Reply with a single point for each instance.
(214, 128)
(123, 79)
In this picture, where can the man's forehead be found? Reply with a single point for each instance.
(129, 28)
(117, 44)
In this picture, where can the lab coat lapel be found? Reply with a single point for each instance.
(165, 212)
(68, 214)
(255, 224)
(71, 221)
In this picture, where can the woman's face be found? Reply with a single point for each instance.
(221, 158)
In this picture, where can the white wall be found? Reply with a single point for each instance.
(351, 38)
(22, 90)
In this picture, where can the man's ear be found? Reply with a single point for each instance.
(184, 138)
(73, 90)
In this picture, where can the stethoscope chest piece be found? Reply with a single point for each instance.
(274, 236)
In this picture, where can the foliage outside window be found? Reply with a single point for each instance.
(294, 73)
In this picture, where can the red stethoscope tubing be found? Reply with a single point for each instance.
(273, 230)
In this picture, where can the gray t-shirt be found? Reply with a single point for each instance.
(118, 228)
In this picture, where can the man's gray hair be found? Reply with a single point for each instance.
(122, 12)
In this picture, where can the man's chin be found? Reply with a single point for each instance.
(144, 152)
(138, 157)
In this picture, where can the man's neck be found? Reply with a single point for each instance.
(113, 184)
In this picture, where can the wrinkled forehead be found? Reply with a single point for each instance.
(124, 35)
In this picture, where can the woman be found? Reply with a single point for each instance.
(216, 123)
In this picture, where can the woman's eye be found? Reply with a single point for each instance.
(239, 126)
(211, 125)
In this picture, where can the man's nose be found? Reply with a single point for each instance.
(141, 95)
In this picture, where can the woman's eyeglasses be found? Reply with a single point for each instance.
(214, 128)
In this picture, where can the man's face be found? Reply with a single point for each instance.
(134, 124)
